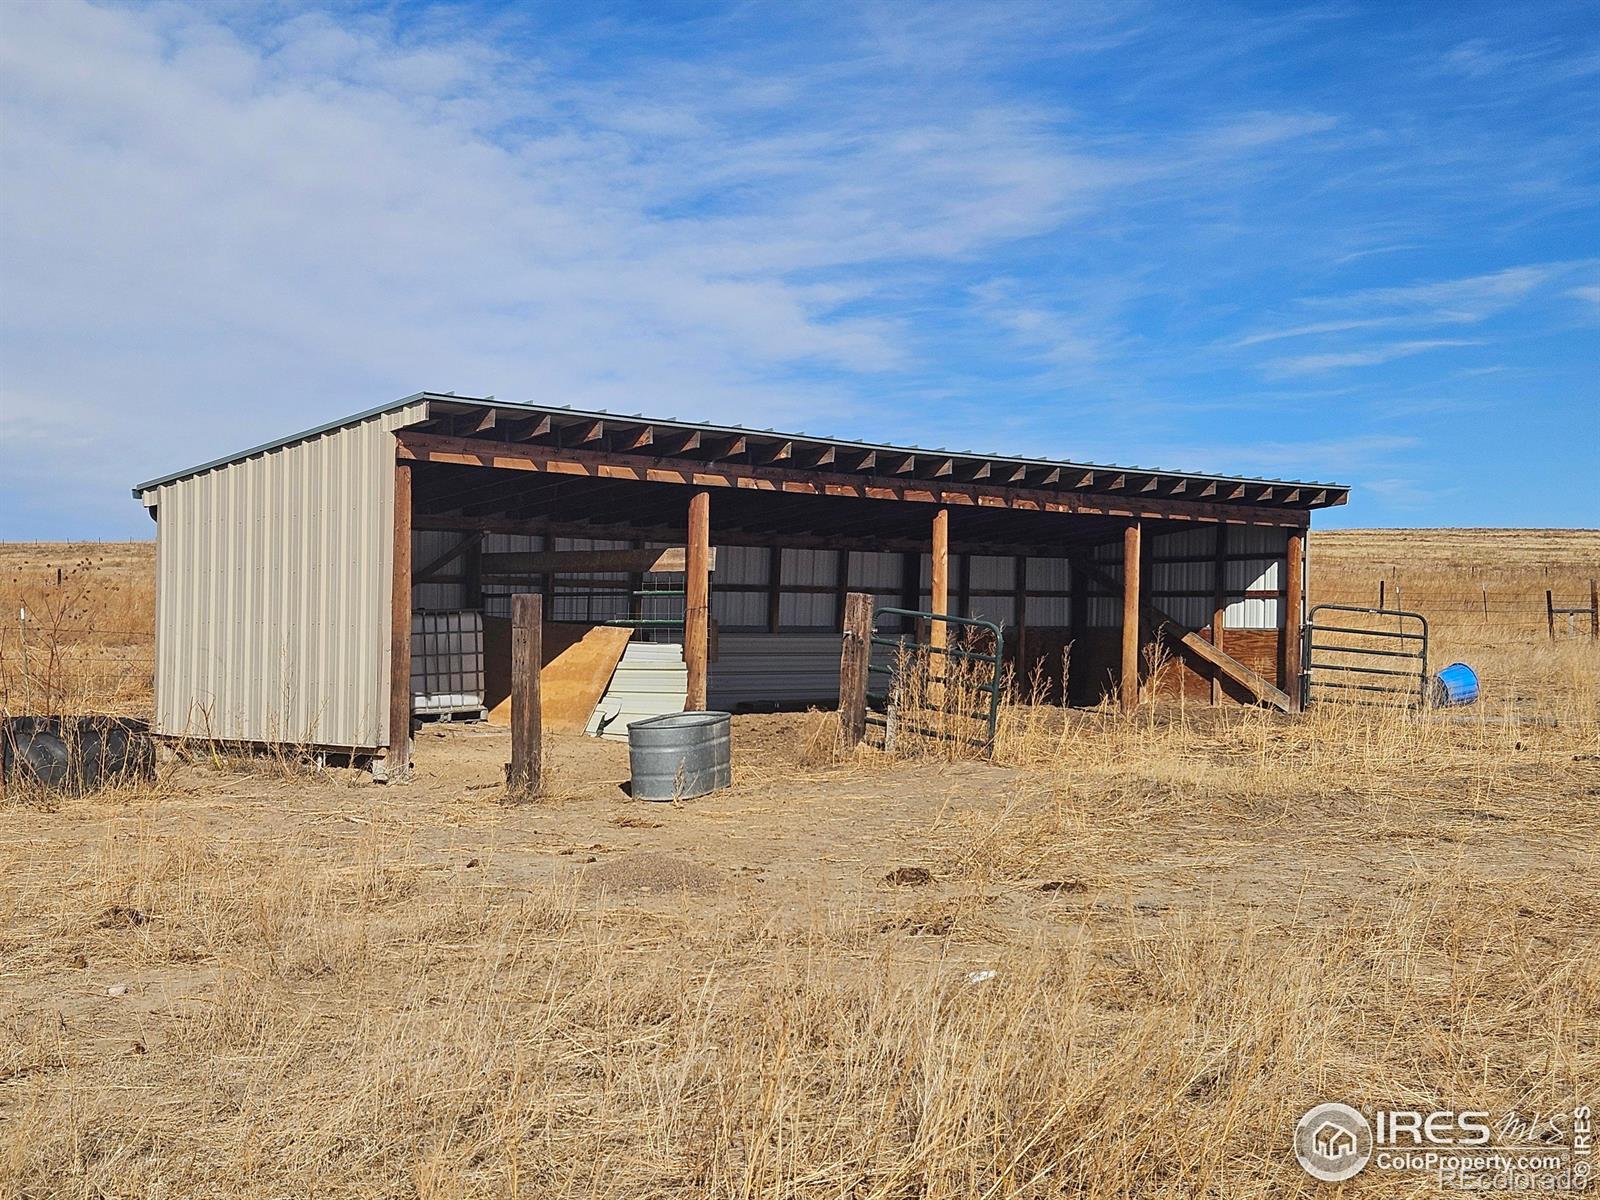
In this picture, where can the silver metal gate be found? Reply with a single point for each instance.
(1370, 655)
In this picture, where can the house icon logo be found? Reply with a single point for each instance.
(1333, 1142)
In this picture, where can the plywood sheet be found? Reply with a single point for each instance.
(578, 663)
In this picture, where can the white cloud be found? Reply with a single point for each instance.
(1308, 364)
(221, 235)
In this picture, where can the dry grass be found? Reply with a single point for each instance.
(1199, 923)
(85, 644)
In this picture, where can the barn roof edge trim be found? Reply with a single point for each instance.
(1337, 493)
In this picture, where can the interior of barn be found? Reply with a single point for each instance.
(606, 551)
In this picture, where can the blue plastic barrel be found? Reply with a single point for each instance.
(1456, 684)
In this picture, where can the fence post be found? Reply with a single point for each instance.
(1594, 609)
(1550, 612)
(854, 654)
(525, 770)
(1380, 595)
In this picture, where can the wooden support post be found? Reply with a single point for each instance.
(910, 585)
(524, 772)
(697, 599)
(635, 586)
(841, 588)
(1149, 633)
(1219, 606)
(1019, 618)
(1594, 609)
(1077, 627)
(1550, 612)
(1293, 611)
(774, 588)
(398, 763)
(939, 601)
(1132, 556)
(854, 654)
(472, 569)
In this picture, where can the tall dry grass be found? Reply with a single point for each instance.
(77, 628)
(1198, 922)
(348, 1020)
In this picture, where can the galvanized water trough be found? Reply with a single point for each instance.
(680, 755)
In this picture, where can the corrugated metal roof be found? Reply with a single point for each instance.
(438, 402)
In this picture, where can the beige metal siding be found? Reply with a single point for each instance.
(272, 592)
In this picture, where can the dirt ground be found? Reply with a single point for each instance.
(846, 975)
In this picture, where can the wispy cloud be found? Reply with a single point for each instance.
(1308, 364)
(1080, 229)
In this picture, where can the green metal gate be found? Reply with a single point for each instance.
(889, 654)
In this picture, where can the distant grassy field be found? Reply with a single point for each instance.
(91, 606)
(1129, 954)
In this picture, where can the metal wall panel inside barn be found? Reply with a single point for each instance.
(272, 591)
(797, 661)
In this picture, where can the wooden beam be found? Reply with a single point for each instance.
(472, 573)
(854, 654)
(939, 602)
(439, 562)
(1019, 606)
(911, 580)
(841, 585)
(522, 431)
(1294, 606)
(1131, 559)
(964, 586)
(673, 560)
(422, 447)
(636, 439)
(525, 771)
(697, 598)
(398, 763)
(1219, 605)
(772, 453)
(774, 588)
(680, 443)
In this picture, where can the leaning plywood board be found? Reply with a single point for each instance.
(578, 664)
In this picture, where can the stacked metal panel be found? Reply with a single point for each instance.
(650, 681)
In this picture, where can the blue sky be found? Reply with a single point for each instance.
(1356, 243)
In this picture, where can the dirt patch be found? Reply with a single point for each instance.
(909, 876)
(650, 873)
